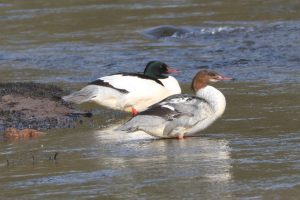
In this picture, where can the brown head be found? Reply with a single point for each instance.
(203, 77)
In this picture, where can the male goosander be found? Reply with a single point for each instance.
(182, 114)
(131, 92)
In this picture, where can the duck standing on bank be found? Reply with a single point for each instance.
(182, 114)
(130, 92)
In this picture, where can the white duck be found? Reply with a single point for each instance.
(131, 92)
(182, 114)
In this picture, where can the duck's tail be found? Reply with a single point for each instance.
(86, 94)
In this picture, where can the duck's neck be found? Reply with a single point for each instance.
(214, 97)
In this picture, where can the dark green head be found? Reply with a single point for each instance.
(156, 69)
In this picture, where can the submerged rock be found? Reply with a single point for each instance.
(35, 105)
(166, 31)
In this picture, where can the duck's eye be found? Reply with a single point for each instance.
(212, 74)
(163, 67)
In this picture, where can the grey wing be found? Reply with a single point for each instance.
(181, 105)
(174, 112)
(155, 116)
(83, 95)
(190, 110)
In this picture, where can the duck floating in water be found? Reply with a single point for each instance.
(182, 114)
(130, 92)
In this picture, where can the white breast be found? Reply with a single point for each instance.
(216, 101)
(172, 85)
(214, 97)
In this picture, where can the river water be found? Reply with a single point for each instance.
(252, 152)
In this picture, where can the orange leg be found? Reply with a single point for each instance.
(134, 112)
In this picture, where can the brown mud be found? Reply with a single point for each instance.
(36, 106)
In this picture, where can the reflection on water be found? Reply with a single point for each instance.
(214, 152)
(138, 166)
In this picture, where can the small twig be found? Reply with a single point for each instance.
(32, 156)
(55, 156)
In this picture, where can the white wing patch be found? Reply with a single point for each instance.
(181, 100)
(169, 107)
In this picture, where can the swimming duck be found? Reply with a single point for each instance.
(130, 92)
(182, 115)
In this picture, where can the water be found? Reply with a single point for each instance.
(79, 41)
(252, 152)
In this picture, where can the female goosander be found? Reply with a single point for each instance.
(182, 114)
(131, 92)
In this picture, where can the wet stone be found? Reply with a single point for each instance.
(166, 31)
(13, 133)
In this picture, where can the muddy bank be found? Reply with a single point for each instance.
(35, 105)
